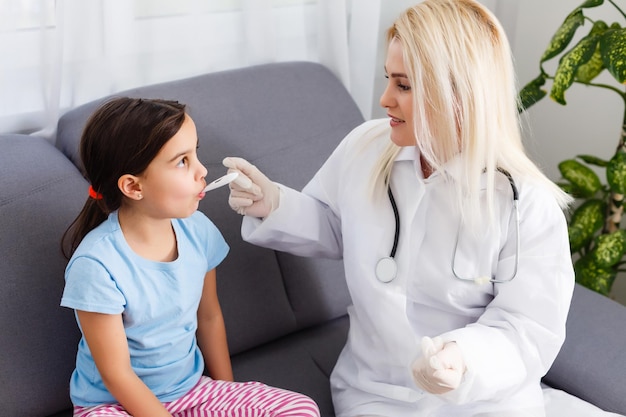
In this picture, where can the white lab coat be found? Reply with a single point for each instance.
(509, 333)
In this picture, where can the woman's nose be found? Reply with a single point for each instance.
(385, 99)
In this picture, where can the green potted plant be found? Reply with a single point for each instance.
(597, 236)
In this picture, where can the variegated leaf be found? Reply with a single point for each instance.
(592, 68)
(616, 173)
(609, 248)
(586, 220)
(593, 276)
(578, 55)
(591, 3)
(532, 93)
(593, 160)
(563, 35)
(613, 50)
(584, 179)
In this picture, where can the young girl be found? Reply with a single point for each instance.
(141, 277)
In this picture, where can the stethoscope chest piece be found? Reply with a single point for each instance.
(386, 269)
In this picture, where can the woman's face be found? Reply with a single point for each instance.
(173, 182)
(398, 97)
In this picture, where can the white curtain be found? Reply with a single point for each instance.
(58, 54)
(91, 48)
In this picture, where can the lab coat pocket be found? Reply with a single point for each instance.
(438, 302)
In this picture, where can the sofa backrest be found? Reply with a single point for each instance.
(40, 194)
(286, 118)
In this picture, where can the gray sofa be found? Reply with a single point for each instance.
(285, 315)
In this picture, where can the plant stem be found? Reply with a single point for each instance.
(616, 211)
(605, 86)
(616, 202)
(618, 9)
(621, 93)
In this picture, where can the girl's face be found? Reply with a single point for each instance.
(172, 184)
(398, 97)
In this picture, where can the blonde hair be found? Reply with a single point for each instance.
(460, 68)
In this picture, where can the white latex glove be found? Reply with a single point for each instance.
(251, 193)
(441, 367)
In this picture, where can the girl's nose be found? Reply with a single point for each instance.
(202, 171)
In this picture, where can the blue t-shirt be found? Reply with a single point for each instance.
(158, 302)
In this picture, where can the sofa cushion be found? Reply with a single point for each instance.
(301, 361)
(42, 192)
(286, 118)
(592, 363)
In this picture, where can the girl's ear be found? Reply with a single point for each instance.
(130, 186)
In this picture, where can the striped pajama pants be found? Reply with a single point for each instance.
(212, 398)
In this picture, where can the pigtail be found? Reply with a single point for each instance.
(93, 213)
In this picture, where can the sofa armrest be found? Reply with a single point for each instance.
(592, 363)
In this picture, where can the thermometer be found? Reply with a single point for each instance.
(221, 181)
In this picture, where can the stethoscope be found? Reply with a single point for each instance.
(387, 269)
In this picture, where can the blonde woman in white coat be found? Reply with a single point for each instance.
(474, 313)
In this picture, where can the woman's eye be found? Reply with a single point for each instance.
(401, 86)
(182, 162)
(404, 87)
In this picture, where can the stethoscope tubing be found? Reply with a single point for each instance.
(396, 214)
(386, 268)
(485, 280)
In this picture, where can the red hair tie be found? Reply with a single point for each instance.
(94, 194)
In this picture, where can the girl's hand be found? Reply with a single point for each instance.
(107, 342)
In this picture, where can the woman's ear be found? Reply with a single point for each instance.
(130, 186)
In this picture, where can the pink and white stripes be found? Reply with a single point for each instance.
(212, 398)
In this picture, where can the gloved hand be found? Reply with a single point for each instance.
(251, 193)
(440, 368)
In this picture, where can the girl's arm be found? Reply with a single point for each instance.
(212, 332)
(106, 339)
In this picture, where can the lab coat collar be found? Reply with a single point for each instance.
(408, 153)
(451, 170)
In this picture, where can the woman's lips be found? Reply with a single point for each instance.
(394, 121)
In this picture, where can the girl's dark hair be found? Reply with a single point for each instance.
(121, 137)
